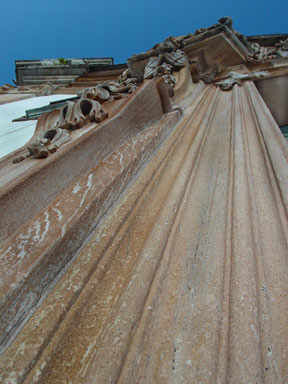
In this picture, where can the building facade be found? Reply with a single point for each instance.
(144, 225)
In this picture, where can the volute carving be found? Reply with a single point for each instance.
(97, 93)
(150, 70)
(72, 116)
(48, 142)
(101, 93)
(168, 60)
(260, 53)
(176, 59)
(75, 115)
(114, 87)
(237, 78)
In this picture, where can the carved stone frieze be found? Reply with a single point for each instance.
(126, 84)
(160, 62)
(171, 51)
(75, 115)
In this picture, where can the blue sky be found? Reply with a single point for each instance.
(51, 29)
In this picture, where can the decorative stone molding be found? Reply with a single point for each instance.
(127, 86)
(102, 91)
(159, 61)
(206, 72)
(72, 116)
(237, 78)
(75, 115)
(210, 206)
(225, 26)
(174, 49)
(97, 93)
(164, 65)
(260, 53)
(170, 52)
(105, 245)
(49, 141)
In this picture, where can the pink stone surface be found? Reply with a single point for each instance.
(166, 260)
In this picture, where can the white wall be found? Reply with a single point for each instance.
(15, 135)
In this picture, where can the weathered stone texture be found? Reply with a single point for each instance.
(152, 248)
(185, 279)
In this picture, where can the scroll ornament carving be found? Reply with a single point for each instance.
(72, 116)
(103, 91)
(168, 60)
(260, 53)
(114, 87)
(48, 142)
(178, 41)
(75, 115)
(237, 78)
(88, 107)
(95, 93)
